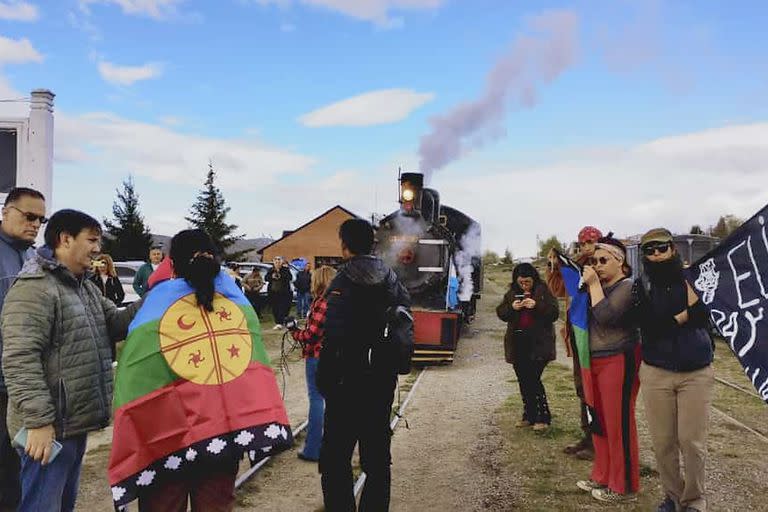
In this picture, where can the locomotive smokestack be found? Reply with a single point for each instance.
(411, 189)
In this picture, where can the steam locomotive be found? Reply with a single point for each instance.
(436, 252)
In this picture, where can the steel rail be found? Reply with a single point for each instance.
(736, 386)
(361, 479)
(253, 470)
(734, 421)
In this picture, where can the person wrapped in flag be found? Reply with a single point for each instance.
(194, 391)
(609, 351)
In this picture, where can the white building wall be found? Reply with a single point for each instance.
(34, 164)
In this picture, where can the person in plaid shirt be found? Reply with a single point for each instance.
(311, 339)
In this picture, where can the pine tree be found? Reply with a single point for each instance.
(726, 225)
(209, 213)
(127, 237)
(507, 259)
(550, 243)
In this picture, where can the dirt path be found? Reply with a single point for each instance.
(445, 460)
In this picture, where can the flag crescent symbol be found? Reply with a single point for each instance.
(184, 326)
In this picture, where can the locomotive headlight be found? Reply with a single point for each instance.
(408, 194)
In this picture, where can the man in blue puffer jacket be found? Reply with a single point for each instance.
(676, 375)
(23, 214)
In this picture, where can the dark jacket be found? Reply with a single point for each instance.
(59, 331)
(279, 283)
(303, 281)
(112, 288)
(358, 299)
(665, 343)
(141, 278)
(13, 254)
(538, 341)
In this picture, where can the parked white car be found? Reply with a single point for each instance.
(126, 271)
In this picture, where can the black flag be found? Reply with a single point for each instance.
(732, 282)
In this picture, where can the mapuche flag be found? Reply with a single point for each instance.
(193, 387)
(578, 315)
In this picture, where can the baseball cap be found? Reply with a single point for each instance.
(658, 235)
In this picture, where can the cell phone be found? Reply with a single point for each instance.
(521, 296)
(20, 441)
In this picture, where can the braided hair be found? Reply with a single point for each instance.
(195, 259)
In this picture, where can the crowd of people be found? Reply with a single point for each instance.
(650, 331)
(63, 313)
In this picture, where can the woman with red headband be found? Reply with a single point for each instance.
(588, 236)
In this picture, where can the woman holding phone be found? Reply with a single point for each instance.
(530, 310)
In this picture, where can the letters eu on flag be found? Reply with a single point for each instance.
(732, 282)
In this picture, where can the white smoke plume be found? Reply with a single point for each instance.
(470, 247)
(404, 227)
(534, 59)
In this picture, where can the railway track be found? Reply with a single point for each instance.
(247, 475)
(730, 419)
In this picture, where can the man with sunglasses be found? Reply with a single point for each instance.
(676, 375)
(23, 214)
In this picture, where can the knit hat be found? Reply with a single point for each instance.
(589, 233)
(659, 235)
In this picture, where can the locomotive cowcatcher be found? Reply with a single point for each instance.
(435, 251)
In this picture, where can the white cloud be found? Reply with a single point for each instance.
(17, 51)
(16, 10)
(377, 11)
(157, 9)
(106, 141)
(12, 109)
(377, 107)
(675, 181)
(128, 75)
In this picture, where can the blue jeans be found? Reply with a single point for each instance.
(303, 300)
(316, 410)
(52, 488)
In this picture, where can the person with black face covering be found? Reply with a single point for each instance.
(676, 374)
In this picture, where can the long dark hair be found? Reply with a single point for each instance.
(195, 259)
(525, 270)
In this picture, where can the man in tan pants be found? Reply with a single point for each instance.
(677, 407)
(676, 377)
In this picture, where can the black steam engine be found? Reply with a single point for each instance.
(435, 250)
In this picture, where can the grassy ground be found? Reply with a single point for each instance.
(735, 468)
(549, 476)
(745, 408)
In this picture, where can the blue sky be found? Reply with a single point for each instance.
(657, 108)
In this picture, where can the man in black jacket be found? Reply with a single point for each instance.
(356, 373)
(676, 375)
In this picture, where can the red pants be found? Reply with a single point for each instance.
(615, 381)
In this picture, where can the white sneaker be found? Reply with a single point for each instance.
(277, 327)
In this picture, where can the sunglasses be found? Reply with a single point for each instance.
(29, 216)
(650, 250)
(602, 260)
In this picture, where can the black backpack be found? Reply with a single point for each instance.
(398, 339)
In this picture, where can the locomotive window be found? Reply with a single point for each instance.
(8, 159)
